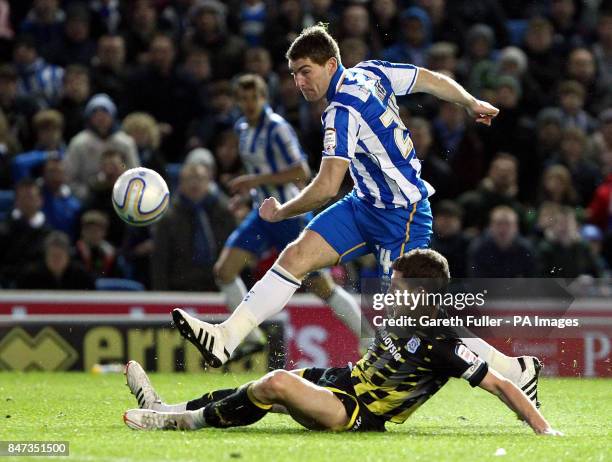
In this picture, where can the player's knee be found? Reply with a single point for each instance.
(276, 384)
(296, 260)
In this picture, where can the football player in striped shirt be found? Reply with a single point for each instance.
(398, 374)
(274, 163)
(386, 214)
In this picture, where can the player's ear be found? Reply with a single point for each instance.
(331, 65)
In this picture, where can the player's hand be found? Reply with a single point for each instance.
(269, 210)
(243, 183)
(482, 111)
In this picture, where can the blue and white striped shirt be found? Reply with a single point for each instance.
(362, 125)
(42, 81)
(270, 147)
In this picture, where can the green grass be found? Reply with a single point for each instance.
(457, 424)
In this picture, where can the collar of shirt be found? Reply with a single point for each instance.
(335, 82)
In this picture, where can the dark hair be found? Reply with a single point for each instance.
(315, 43)
(425, 265)
(251, 82)
(449, 208)
(110, 153)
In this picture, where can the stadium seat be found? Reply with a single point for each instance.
(516, 30)
(118, 284)
(173, 171)
(7, 198)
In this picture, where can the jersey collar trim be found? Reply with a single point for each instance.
(335, 82)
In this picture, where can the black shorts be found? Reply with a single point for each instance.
(338, 381)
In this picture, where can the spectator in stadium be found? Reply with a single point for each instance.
(448, 237)
(460, 144)
(86, 148)
(164, 91)
(602, 49)
(593, 237)
(490, 12)
(511, 119)
(442, 57)
(76, 45)
(562, 253)
(385, 18)
(258, 61)
(433, 167)
(48, 125)
(23, 232)
(143, 128)
(36, 77)
(9, 147)
(75, 94)
(548, 137)
(444, 27)
(252, 17)
(414, 39)
(601, 140)
(60, 206)
(18, 109)
(283, 27)
(197, 67)
(501, 252)
(323, 11)
(355, 23)
(98, 256)
(44, 22)
(499, 187)
(585, 174)
(556, 186)
(565, 18)
(190, 235)
(57, 271)
(545, 62)
(109, 70)
(581, 66)
(571, 101)
(106, 16)
(353, 51)
(111, 165)
(209, 31)
(600, 207)
(141, 30)
(479, 46)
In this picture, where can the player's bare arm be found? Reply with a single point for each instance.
(445, 88)
(516, 400)
(323, 188)
(294, 174)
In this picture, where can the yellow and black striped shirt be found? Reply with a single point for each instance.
(397, 375)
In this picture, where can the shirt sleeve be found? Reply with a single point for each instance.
(453, 359)
(286, 141)
(340, 130)
(401, 76)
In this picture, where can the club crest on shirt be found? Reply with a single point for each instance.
(329, 140)
(413, 344)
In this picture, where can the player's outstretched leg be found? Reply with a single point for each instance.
(140, 386)
(227, 269)
(216, 342)
(523, 371)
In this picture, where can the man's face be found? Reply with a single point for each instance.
(8, 91)
(111, 51)
(194, 182)
(503, 229)
(76, 86)
(28, 200)
(49, 137)
(581, 66)
(251, 103)
(112, 168)
(54, 174)
(56, 259)
(162, 53)
(101, 121)
(93, 233)
(311, 78)
(24, 55)
(503, 173)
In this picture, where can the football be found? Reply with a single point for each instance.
(140, 196)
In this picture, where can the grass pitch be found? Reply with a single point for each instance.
(456, 424)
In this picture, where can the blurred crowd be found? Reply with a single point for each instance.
(91, 88)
